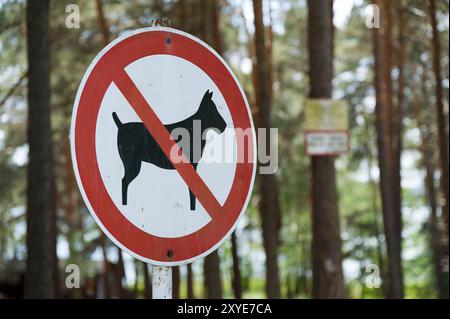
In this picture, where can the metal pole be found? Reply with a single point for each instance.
(161, 276)
(161, 282)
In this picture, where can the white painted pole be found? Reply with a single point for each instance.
(161, 276)
(161, 282)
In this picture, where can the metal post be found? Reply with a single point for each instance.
(161, 282)
(161, 276)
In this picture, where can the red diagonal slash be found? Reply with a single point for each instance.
(163, 138)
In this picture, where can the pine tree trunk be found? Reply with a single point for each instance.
(103, 25)
(190, 282)
(211, 271)
(176, 282)
(383, 114)
(441, 116)
(121, 282)
(136, 279)
(427, 148)
(206, 19)
(435, 230)
(373, 186)
(397, 120)
(394, 132)
(41, 219)
(69, 182)
(182, 16)
(236, 278)
(106, 268)
(269, 47)
(147, 282)
(268, 204)
(216, 36)
(326, 243)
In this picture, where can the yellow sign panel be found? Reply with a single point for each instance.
(323, 114)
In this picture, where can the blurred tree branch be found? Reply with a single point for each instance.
(13, 89)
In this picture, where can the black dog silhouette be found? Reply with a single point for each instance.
(137, 145)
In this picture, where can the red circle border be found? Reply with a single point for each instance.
(102, 70)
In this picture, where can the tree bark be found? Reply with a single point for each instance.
(397, 119)
(328, 279)
(383, 114)
(268, 204)
(216, 36)
(190, 282)
(136, 279)
(147, 282)
(441, 116)
(394, 131)
(236, 278)
(436, 236)
(212, 281)
(70, 189)
(106, 267)
(121, 280)
(206, 21)
(182, 15)
(41, 219)
(103, 25)
(374, 204)
(269, 48)
(176, 282)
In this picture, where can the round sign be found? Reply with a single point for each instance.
(163, 145)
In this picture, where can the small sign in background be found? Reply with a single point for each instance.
(326, 127)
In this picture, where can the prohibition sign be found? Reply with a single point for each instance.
(109, 67)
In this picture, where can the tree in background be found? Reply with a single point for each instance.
(147, 282)
(389, 142)
(189, 282)
(424, 118)
(41, 270)
(268, 187)
(441, 115)
(175, 282)
(328, 281)
(398, 107)
(236, 277)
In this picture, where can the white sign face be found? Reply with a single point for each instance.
(322, 143)
(161, 207)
